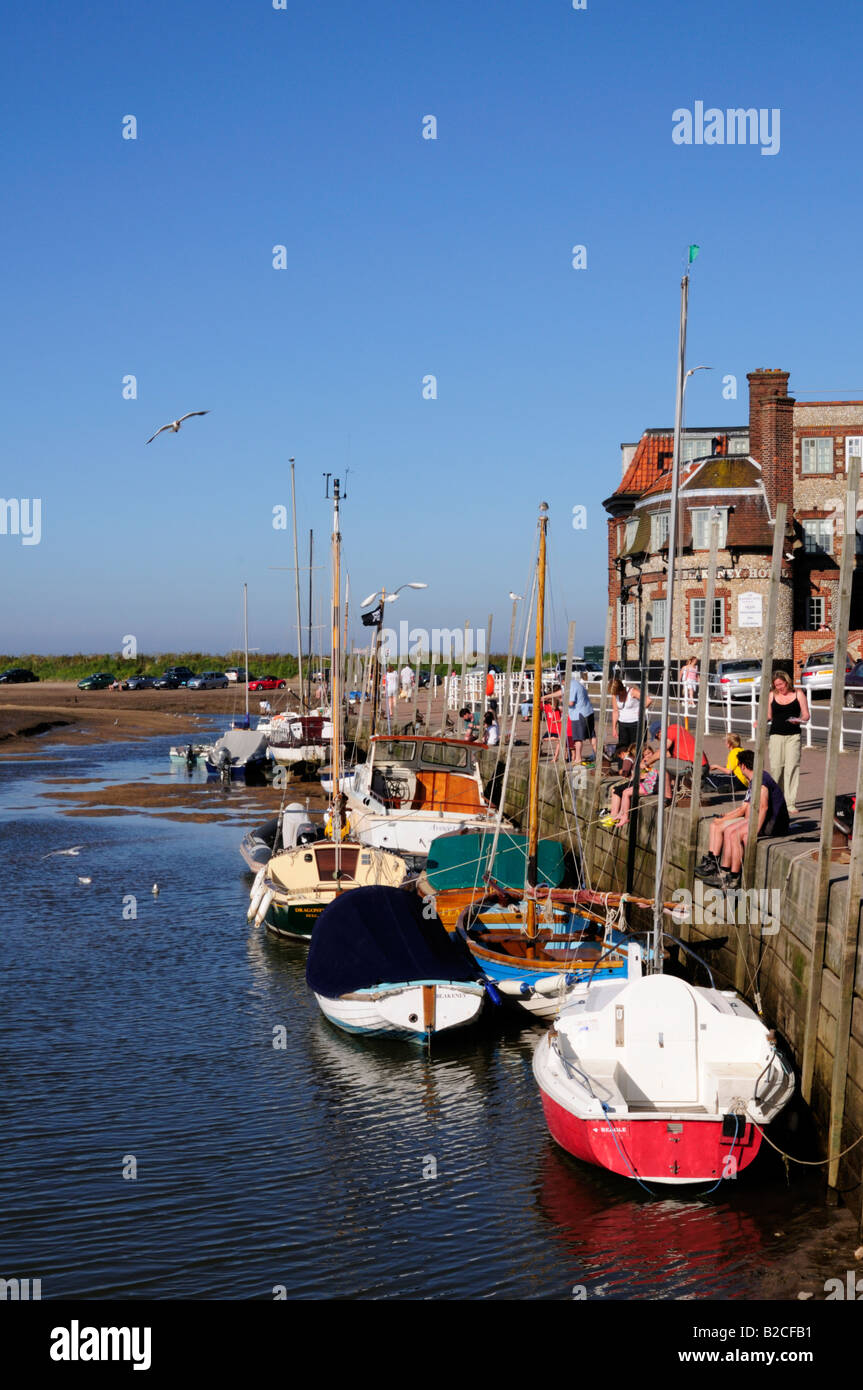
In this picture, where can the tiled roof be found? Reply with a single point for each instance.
(645, 466)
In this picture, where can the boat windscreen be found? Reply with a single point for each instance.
(444, 755)
(394, 751)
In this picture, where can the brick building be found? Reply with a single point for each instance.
(789, 452)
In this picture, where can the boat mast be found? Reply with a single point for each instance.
(533, 804)
(336, 684)
(297, 587)
(311, 562)
(669, 631)
(246, 644)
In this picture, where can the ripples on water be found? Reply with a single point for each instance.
(300, 1167)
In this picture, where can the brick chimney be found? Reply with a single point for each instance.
(771, 432)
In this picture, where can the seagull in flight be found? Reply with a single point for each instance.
(175, 424)
(76, 849)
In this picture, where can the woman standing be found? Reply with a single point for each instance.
(689, 681)
(617, 690)
(631, 715)
(787, 709)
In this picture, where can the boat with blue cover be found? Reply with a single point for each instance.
(381, 964)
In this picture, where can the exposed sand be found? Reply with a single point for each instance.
(57, 712)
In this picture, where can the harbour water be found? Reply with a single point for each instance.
(158, 1145)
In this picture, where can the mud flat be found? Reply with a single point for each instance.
(58, 712)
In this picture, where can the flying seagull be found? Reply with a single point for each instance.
(76, 849)
(175, 424)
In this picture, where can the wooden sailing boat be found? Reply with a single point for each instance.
(290, 893)
(531, 960)
(647, 1075)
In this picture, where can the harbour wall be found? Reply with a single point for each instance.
(788, 869)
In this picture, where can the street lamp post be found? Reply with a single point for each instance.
(383, 597)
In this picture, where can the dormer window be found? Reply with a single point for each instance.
(659, 530)
(698, 447)
(701, 527)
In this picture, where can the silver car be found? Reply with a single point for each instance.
(735, 678)
(208, 680)
(817, 674)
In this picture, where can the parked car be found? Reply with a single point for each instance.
(238, 675)
(581, 668)
(817, 674)
(174, 677)
(139, 683)
(16, 675)
(100, 681)
(854, 679)
(266, 683)
(735, 678)
(208, 680)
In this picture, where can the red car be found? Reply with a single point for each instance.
(266, 683)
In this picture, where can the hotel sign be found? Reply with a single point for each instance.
(749, 610)
(726, 572)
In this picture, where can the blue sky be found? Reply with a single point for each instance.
(405, 257)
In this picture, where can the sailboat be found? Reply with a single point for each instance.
(649, 1076)
(241, 752)
(291, 892)
(535, 954)
(379, 964)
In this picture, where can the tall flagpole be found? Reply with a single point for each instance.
(669, 629)
(297, 587)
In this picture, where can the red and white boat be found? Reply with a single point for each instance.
(660, 1080)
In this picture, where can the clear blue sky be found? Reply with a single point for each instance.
(406, 257)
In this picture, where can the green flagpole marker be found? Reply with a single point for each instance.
(693, 252)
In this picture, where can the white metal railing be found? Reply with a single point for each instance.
(725, 715)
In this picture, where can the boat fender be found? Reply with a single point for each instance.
(525, 989)
(511, 986)
(491, 990)
(549, 984)
(264, 907)
(256, 894)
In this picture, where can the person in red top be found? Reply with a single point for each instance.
(681, 744)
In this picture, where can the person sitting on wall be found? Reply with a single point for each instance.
(722, 864)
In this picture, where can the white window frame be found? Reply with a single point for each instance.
(853, 445)
(659, 524)
(695, 447)
(824, 525)
(738, 444)
(697, 629)
(818, 444)
(659, 610)
(696, 513)
(630, 532)
(625, 620)
(815, 616)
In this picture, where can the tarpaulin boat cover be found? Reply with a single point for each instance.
(375, 936)
(461, 861)
(242, 745)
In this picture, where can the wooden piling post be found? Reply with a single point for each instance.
(701, 708)
(596, 786)
(748, 874)
(828, 801)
